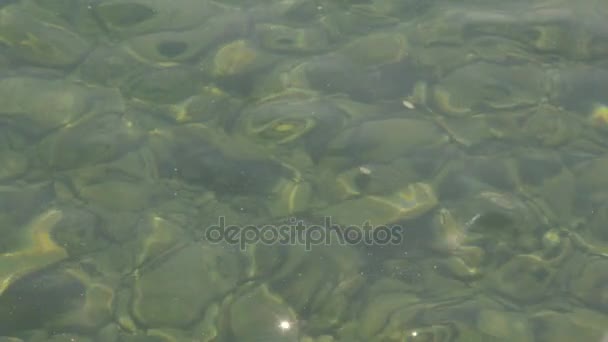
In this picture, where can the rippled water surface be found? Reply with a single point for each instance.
(303, 170)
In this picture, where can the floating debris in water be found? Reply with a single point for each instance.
(365, 170)
(407, 104)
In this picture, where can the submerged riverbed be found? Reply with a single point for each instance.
(303, 170)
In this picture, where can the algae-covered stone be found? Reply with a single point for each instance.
(335, 73)
(225, 164)
(79, 231)
(290, 196)
(206, 329)
(551, 126)
(385, 140)
(573, 324)
(119, 195)
(210, 105)
(159, 235)
(369, 179)
(93, 140)
(57, 102)
(552, 29)
(258, 314)
(164, 85)
(341, 22)
(175, 291)
(36, 251)
(468, 176)
(378, 310)
(265, 124)
(524, 278)
(132, 17)
(391, 312)
(292, 118)
(10, 339)
(590, 284)
(40, 42)
(323, 338)
(592, 178)
(169, 335)
(471, 131)
(111, 65)
(18, 204)
(376, 49)
(442, 27)
(69, 337)
(320, 283)
(450, 236)
(597, 228)
(555, 186)
(393, 9)
(91, 310)
(504, 325)
(411, 201)
(170, 48)
(579, 88)
(449, 233)
(508, 221)
(286, 39)
(238, 58)
(12, 164)
(482, 86)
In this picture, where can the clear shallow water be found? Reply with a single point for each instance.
(303, 171)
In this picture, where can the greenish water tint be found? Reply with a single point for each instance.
(296, 170)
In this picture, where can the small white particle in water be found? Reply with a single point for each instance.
(472, 221)
(414, 333)
(284, 325)
(407, 104)
(365, 170)
(319, 8)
